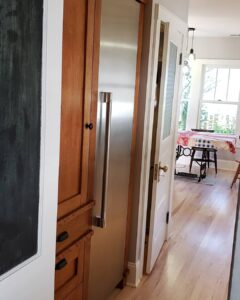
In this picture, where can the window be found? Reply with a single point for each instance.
(184, 104)
(220, 101)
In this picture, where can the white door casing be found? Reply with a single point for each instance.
(165, 142)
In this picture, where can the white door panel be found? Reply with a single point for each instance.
(165, 145)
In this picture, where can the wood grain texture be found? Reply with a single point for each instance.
(134, 137)
(72, 276)
(237, 175)
(74, 208)
(95, 92)
(142, 1)
(76, 294)
(87, 251)
(77, 68)
(73, 71)
(195, 263)
(75, 226)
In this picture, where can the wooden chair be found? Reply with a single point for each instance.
(236, 177)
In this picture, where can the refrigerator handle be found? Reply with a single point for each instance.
(106, 99)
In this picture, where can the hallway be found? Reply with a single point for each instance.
(195, 263)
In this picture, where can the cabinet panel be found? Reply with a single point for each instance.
(71, 228)
(72, 267)
(77, 294)
(74, 207)
(69, 270)
(76, 99)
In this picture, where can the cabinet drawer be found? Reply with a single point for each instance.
(77, 294)
(69, 270)
(71, 228)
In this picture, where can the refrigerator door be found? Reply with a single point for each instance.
(117, 75)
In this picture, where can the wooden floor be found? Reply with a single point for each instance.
(195, 263)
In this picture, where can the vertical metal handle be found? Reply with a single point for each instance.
(106, 99)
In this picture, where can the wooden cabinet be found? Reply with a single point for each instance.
(72, 227)
(73, 237)
(71, 268)
(78, 30)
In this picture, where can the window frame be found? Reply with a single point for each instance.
(202, 101)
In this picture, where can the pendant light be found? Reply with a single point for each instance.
(186, 68)
(191, 56)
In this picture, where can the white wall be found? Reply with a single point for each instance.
(36, 279)
(217, 48)
(179, 7)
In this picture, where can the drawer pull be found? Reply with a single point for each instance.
(62, 237)
(59, 266)
(89, 126)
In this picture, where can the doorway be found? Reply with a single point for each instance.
(152, 216)
(163, 140)
(203, 218)
(153, 171)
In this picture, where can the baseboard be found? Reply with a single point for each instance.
(134, 276)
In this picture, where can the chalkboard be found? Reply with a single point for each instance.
(20, 124)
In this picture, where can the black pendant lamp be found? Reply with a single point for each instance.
(191, 56)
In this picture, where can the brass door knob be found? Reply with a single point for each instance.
(164, 169)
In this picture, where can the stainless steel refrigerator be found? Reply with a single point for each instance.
(117, 75)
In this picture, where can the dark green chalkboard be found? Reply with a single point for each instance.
(20, 124)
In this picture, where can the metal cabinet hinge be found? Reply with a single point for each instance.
(167, 217)
(180, 59)
(156, 171)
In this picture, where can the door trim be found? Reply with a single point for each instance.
(93, 117)
(134, 135)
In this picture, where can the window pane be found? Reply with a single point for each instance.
(222, 83)
(219, 117)
(168, 109)
(234, 85)
(183, 115)
(187, 81)
(209, 83)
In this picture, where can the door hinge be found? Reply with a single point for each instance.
(180, 59)
(167, 217)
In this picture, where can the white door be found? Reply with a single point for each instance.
(165, 143)
(34, 279)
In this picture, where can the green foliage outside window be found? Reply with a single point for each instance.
(184, 105)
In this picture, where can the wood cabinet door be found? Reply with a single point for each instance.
(78, 30)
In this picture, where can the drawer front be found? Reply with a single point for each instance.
(69, 270)
(77, 294)
(73, 227)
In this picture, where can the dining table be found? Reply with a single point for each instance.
(219, 141)
(207, 140)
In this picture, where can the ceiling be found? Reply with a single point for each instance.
(219, 18)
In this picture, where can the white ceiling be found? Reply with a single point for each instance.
(215, 17)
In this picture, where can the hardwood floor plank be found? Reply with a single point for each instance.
(195, 263)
